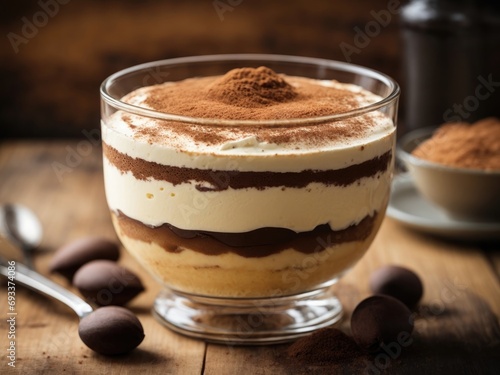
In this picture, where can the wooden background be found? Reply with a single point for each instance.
(50, 86)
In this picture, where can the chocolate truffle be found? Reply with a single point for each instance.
(111, 330)
(69, 258)
(380, 320)
(106, 283)
(397, 282)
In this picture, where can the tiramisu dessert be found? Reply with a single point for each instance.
(233, 209)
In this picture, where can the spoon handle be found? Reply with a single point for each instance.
(39, 283)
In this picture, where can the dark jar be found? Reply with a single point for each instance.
(451, 61)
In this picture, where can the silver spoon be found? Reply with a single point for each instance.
(22, 227)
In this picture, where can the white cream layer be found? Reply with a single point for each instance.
(156, 202)
(246, 153)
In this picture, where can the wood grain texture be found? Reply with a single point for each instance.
(456, 326)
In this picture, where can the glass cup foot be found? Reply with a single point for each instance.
(249, 321)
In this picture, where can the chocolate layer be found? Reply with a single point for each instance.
(222, 180)
(257, 243)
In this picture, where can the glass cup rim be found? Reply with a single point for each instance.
(118, 104)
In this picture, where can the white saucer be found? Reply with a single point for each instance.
(407, 206)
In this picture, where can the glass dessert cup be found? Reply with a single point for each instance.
(246, 243)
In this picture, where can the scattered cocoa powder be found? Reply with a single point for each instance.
(463, 145)
(324, 347)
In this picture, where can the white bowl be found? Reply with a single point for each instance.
(470, 194)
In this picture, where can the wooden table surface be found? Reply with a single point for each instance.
(457, 324)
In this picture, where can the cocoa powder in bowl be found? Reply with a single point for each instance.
(463, 145)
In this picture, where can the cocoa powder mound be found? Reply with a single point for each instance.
(251, 87)
(250, 94)
(325, 347)
(463, 145)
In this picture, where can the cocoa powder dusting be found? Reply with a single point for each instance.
(254, 94)
(325, 347)
(250, 94)
(463, 145)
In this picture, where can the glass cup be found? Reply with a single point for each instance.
(246, 244)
